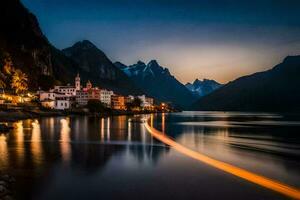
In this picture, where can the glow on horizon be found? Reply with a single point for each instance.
(222, 63)
(195, 39)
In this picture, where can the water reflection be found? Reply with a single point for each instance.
(50, 125)
(108, 129)
(19, 134)
(105, 129)
(102, 129)
(270, 149)
(109, 156)
(3, 152)
(163, 121)
(65, 139)
(129, 131)
(274, 185)
(36, 145)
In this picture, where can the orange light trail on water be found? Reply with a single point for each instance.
(239, 172)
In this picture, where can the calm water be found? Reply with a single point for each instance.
(112, 158)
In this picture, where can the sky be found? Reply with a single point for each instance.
(213, 39)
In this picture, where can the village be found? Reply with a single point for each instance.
(72, 96)
(75, 98)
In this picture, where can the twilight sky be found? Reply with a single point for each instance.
(215, 39)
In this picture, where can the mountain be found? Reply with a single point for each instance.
(157, 82)
(23, 42)
(99, 68)
(277, 89)
(202, 88)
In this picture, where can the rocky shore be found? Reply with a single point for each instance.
(6, 187)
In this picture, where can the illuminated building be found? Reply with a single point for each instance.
(118, 102)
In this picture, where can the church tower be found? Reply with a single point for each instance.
(77, 82)
(89, 85)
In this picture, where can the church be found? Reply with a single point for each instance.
(68, 96)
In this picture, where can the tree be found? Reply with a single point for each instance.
(19, 81)
(6, 72)
(95, 106)
(137, 102)
(8, 67)
(2, 80)
(134, 104)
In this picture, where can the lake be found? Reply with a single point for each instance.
(114, 158)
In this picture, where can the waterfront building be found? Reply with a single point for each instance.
(82, 97)
(64, 97)
(60, 97)
(129, 98)
(93, 94)
(118, 102)
(56, 100)
(146, 102)
(87, 93)
(46, 95)
(63, 102)
(105, 97)
(65, 89)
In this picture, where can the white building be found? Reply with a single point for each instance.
(63, 102)
(64, 97)
(146, 101)
(67, 90)
(56, 100)
(105, 97)
(130, 98)
(44, 95)
(82, 97)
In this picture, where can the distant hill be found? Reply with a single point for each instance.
(202, 88)
(99, 68)
(276, 90)
(157, 82)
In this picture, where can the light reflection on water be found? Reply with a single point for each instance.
(253, 142)
(36, 145)
(3, 151)
(19, 134)
(65, 139)
(112, 155)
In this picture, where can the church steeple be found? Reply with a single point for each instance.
(77, 82)
(89, 85)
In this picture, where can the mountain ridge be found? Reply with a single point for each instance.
(158, 82)
(99, 67)
(24, 44)
(276, 89)
(202, 88)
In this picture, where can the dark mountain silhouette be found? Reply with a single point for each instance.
(157, 82)
(99, 68)
(22, 40)
(277, 89)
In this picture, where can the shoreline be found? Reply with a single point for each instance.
(15, 115)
